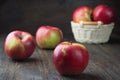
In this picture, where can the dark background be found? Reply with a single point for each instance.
(28, 15)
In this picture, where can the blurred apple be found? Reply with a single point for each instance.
(48, 37)
(70, 58)
(103, 13)
(19, 45)
(82, 13)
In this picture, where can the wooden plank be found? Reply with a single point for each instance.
(103, 65)
(101, 59)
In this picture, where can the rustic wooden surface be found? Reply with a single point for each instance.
(104, 64)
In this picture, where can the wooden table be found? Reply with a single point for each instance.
(104, 64)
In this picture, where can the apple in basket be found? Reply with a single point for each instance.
(70, 58)
(82, 13)
(103, 13)
(48, 37)
(19, 45)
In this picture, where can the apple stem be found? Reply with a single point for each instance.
(20, 37)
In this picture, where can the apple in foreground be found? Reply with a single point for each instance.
(70, 58)
(48, 37)
(103, 13)
(82, 13)
(19, 45)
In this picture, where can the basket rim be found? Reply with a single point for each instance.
(99, 26)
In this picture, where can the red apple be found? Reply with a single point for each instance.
(82, 13)
(48, 37)
(70, 58)
(19, 45)
(103, 13)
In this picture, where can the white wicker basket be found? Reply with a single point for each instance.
(85, 33)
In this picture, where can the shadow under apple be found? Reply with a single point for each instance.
(29, 60)
(83, 76)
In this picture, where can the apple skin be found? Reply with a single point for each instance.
(19, 45)
(48, 37)
(82, 13)
(103, 13)
(70, 58)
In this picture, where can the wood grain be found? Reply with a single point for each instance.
(103, 64)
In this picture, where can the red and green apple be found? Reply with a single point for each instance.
(70, 58)
(48, 37)
(19, 45)
(82, 13)
(103, 13)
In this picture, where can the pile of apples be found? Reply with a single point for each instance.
(69, 58)
(101, 13)
(20, 45)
